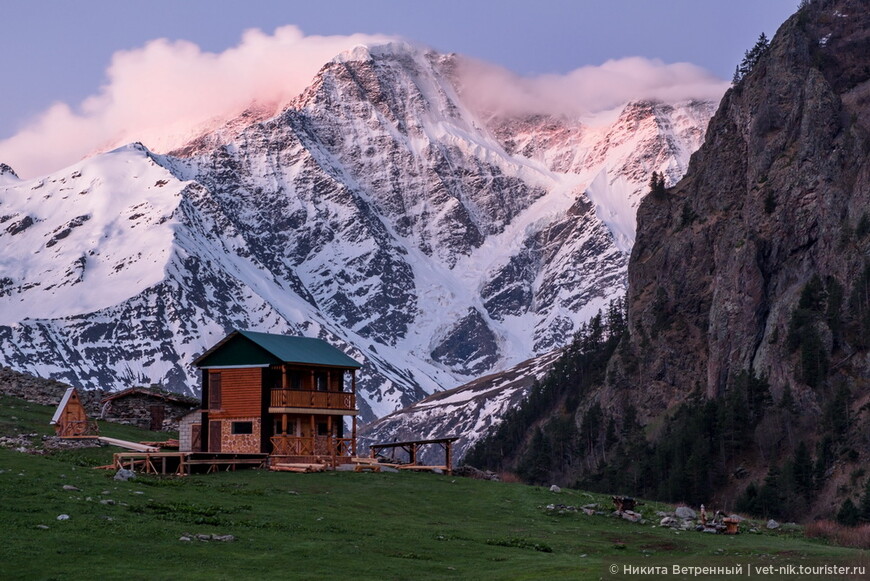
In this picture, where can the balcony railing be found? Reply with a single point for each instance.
(316, 446)
(297, 398)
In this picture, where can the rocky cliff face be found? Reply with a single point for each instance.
(773, 199)
(376, 211)
(758, 261)
(741, 377)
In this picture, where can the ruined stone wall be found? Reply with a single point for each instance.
(135, 409)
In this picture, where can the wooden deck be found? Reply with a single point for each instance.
(184, 463)
(412, 447)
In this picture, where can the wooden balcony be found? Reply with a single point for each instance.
(318, 446)
(309, 399)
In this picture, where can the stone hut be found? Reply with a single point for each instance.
(150, 408)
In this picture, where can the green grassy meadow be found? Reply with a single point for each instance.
(334, 525)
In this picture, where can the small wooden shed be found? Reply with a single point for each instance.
(70, 419)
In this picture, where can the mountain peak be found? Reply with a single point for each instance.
(364, 53)
(5, 171)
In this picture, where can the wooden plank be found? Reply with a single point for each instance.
(128, 445)
(293, 467)
(369, 467)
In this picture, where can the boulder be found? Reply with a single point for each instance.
(124, 475)
(630, 515)
(686, 513)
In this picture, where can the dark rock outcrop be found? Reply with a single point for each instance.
(758, 261)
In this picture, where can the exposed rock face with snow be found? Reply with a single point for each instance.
(467, 412)
(377, 211)
(758, 259)
(5, 171)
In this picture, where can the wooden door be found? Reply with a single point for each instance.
(214, 436)
(196, 437)
(158, 412)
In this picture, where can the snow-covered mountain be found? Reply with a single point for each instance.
(433, 242)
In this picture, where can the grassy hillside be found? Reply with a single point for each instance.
(326, 526)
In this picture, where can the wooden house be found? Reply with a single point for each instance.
(280, 395)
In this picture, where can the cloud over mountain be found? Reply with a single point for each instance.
(586, 90)
(167, 92)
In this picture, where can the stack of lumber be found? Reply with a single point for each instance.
(162, 444)
(128, 445)
(361, 464)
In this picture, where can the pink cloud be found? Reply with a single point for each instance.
(586, 90)
(165, 92)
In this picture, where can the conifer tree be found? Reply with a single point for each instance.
(802, 471)
(848, 514)
(750, 58)
(657, 184)
(770, 497)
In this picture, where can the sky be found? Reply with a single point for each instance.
(79, 70)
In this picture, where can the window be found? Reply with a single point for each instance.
(214, 391)
(240, 428)
(320, 381)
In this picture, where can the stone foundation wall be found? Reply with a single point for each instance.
(240, 443)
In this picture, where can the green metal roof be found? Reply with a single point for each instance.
(251, 348)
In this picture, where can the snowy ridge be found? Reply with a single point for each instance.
(376, 211)
(468, 412)
(97, 234)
